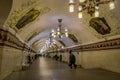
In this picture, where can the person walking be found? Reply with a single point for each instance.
(72, 60)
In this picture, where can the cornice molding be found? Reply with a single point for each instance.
(103, 45)
(10, 40)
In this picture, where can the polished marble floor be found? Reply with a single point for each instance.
(49, 69)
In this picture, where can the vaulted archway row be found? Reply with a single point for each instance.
(44, 42)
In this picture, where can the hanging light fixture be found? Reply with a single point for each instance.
(91, 6)
(59, 32)
(51, 41)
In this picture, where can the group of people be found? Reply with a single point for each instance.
(30, 58)
(56, 57)
(71, 62)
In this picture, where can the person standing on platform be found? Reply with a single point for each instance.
(56, 57)
(29, 59)
(72, 60)
(60, 57)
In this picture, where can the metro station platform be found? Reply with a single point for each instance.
(48, 69)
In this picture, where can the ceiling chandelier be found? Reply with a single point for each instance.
(59, 32)
(91, 6)
(51, 41)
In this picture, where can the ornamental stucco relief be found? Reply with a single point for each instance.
(18, 13)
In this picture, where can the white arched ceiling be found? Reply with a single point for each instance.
(40, 40)
(79, 27)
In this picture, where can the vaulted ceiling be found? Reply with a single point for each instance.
(37, 31)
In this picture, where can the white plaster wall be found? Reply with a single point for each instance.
(78, 58)
(105, 59)
(65, 57)
(24, 58)
(11, 61)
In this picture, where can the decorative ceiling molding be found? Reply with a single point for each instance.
(73, 38)
(113, 22)
(100, 25)
(56, 46)
(37, 42)
(18, 13)
(29, 17)
(32, 35)
(61, 42)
